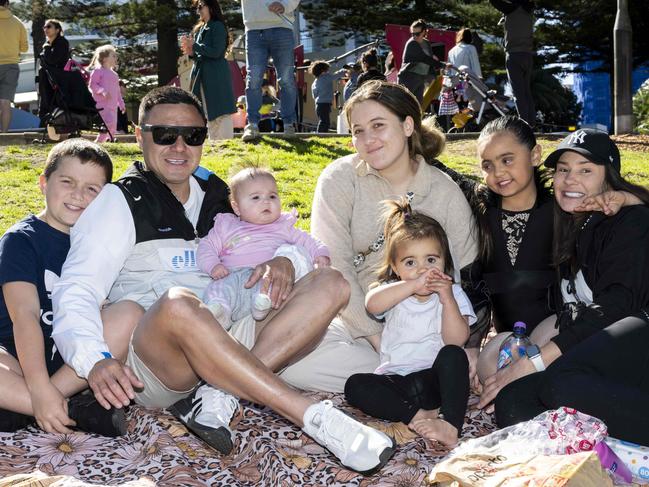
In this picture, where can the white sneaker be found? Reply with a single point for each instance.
(261, 306)
(250, 133)
(207, 413)
(289, 130)
(357, 446)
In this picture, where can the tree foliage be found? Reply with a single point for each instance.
(146, 30)
(570, 32)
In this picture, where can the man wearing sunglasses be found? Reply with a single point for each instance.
(138, 242)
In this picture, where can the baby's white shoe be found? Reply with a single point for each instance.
(261, 307)
(221, 314)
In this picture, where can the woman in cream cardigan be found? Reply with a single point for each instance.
(395, 156)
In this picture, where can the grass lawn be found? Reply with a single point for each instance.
(296, 164)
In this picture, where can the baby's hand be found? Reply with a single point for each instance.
(219, 271)
(322, 261)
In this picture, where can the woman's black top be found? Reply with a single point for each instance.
(368, 75)
(521, 291)
(57, 53)
(613, 255)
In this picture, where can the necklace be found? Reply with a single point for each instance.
(586, 222)
(378, 241)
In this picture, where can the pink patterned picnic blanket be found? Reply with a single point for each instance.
(158, 450)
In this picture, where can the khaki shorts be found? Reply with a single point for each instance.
(155, 394)
(324, 369)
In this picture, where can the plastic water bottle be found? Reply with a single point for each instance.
(518, 340)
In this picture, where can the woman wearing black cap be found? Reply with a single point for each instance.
(599, 361)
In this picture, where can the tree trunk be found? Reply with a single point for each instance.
(38, 21)
(167, 35)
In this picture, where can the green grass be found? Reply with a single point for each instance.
(296, 164)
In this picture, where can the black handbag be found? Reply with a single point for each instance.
(570, 312)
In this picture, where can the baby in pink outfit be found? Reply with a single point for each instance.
(239, 242)
(104, 86)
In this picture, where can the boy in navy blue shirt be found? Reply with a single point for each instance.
(34, 382)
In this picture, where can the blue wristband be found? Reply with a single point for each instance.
(107, 354)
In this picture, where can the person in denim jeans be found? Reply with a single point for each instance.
(269, 34)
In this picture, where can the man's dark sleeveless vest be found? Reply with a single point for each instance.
(158, 215)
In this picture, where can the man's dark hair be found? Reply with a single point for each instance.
(87, 152)
(168, 95)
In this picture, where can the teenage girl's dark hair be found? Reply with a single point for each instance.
(426, 139)
(403, 225)
(483, 198)
(567, 226)
(216, 13)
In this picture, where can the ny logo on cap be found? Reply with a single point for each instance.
(577, 137)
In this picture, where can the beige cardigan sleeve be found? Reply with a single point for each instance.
(460, 226)
(331, 218)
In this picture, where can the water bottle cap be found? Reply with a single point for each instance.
(520, 324)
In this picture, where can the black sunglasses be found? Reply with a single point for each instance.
(48, 26)
(168, 134)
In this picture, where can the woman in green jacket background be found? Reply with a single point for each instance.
(211, 80)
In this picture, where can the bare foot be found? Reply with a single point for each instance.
(423, 414)
(437, 429)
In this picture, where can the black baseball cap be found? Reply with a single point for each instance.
(597, 146)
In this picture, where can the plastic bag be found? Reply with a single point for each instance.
(532, 452)
(557, 432)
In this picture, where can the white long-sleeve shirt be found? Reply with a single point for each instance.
(465, 55)
(256, 15)
(101, 243)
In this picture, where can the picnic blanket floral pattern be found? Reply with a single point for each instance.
(158, 450)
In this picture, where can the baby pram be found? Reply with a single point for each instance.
(72, 108)
(484, 104)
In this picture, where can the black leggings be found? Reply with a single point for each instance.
(398, 397)
(606, 376)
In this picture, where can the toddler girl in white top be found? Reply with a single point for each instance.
(423, 376)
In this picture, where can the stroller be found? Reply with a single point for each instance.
(490, 104)
(71, 108)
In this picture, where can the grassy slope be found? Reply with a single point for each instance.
(296, 164)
